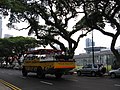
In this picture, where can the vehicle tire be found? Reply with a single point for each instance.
(112, 75)
(93, 74)
(40, 73)
(58, 75)
(78, 73)
(24, 72)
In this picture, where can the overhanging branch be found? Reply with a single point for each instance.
(22, 28)
(104, 32)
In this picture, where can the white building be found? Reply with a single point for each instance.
(104, 56)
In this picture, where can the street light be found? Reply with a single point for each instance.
(93, 49)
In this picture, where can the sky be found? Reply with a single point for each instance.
(13, 32)
(98, 37)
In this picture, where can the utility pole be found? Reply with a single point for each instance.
(93, 49)
(0, 27)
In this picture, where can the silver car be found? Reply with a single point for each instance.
(114, 73)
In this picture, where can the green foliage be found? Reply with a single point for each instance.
(16, 45)
(55, 13)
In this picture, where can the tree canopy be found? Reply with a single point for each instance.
(49, 19)
(98, 13)
(56, 15)
(16, 45)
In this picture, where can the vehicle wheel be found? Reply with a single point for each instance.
(78, 73)
(40, 73)
(24, 72)
(93, 74)
(58, 75)
(112, 75)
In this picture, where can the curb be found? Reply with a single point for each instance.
(12, 87)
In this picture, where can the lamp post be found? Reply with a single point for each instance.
(92, 49)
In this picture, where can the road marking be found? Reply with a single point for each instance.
(9, 85)
(74, 80)
(23, 77)
(46, 82)
(117, 85)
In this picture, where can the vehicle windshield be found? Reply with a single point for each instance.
(46, 55)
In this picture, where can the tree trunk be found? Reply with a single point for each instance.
(116, 63)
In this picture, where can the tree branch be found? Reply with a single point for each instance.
(104, 32)
(115, 11)
(112, 20)
(22, 28)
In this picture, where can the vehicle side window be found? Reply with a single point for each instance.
(85, 66)
(89, 66)
(95, 66)
(28, 58)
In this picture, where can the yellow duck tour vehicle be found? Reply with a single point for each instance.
(47, 61)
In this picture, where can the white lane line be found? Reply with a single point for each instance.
(117, 85)
(74, 80)
(46, 82)
(23, 77)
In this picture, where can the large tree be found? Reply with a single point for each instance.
(16, 46)
(98, 13)
(56, 15)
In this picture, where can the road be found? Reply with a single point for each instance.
(67, 82)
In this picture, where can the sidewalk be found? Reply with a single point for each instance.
(3, 87)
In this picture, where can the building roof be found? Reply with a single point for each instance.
(89, 49)
(101, 52)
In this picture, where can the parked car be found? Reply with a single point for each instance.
(91, 69)
(114, 73)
